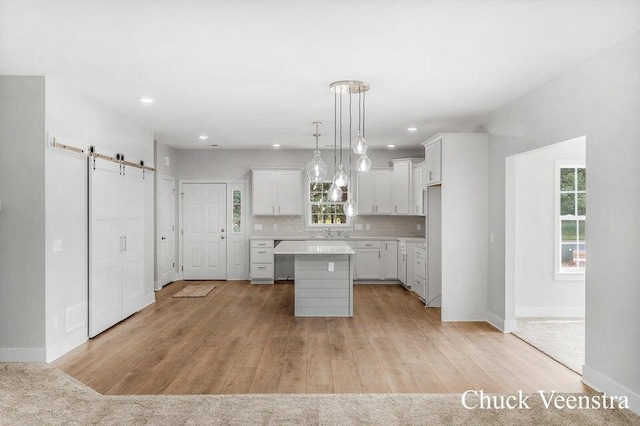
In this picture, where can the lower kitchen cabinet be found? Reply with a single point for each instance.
(402, 263)
(376, 260)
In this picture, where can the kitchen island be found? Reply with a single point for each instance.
(323, 277)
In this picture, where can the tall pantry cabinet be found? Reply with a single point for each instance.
(456, 217)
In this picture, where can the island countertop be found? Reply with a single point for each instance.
(313, 247)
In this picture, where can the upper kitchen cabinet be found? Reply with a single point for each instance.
(418, 188)
(276, 192)
(374, 191)
(401, 196)
(433, 160)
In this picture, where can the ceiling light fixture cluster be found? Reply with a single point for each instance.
(342, 177)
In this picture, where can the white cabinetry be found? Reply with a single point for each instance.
(369, 260)
(420, 271)
(418, 189)
(402, 262)
(262, 261)
(401, 194)
(433, 160)
(276, 192)
(374, 191)
(390, 255)
(456, 220)
(376, 260)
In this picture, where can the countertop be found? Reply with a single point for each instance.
(313, 247)
(349, 238)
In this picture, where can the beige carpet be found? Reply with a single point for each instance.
(195, 290)
(40, 394)
(560, 338)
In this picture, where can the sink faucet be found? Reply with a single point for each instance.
(328, 231)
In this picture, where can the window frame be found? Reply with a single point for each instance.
(309, 226)
(565, 273)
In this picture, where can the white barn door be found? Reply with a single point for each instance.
(133, 230)
(204, 215)
(105, 296)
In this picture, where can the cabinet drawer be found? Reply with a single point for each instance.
(420, 268)
(261, 255)
(369, 244)
(322, 293)
(421, 253)
(262, 270)
(419, 285)
(262, 243)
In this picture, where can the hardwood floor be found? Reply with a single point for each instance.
(243, 338)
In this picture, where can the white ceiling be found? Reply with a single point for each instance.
(254, 73)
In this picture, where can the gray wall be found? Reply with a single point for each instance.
(22, 218)
(236, 163)
(600, 99)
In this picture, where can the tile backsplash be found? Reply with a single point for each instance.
(396, 226)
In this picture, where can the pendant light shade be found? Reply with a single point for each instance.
(350, 208)
(317, 169)
(335, 193)
(360, 145)
(341, 178)
(363, 164)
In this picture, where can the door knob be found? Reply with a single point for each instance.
(163, 238)
(222, 237)
(222, 230)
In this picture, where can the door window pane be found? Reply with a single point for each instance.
(582, 179)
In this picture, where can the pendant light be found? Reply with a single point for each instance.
(350, 207)
(317, 169)
(360, 145)
(335, 191)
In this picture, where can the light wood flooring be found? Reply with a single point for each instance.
(243, 338)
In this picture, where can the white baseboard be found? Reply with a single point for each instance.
(23, 355)
(550, 311)
(602, 383)
(57, 351)
(149, 299)
(506, 326)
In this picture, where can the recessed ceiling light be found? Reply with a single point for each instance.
(412, 129)
(203, 137)
(146, 100)
(276, 145)
(391, 146)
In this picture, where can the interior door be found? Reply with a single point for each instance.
(204, 241)
(167, 230)
(105, 245)
(133, 230)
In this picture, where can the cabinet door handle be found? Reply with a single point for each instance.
(262, 252)
(396, 209)
(273, 209)
(378, 255)
(278, 209)
(262, 267)
(125, 243)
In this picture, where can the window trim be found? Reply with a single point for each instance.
(560, 274)
(319, 227)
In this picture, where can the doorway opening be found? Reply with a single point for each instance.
(546, 249)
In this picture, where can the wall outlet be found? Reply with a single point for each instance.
(331, 266)
(55, 321)
(166, 161)
(418, 227)
(275, 226)
(257, 227)
(57, 246)
(491, 238)
(358, 227)
(367, 226)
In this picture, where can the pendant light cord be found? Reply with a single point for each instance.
(335, 131)
(350, 126)
(340, 127)
(364, 111)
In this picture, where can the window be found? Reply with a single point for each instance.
(236, 199)
(571, 211)
(323, 212)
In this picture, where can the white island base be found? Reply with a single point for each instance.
(323, 280)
